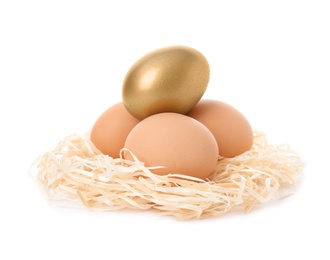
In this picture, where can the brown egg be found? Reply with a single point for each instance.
(111, 129)
(231, 129)
(179, 143)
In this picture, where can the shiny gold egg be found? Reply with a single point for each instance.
(170, 79)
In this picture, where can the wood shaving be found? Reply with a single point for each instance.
(77, 174)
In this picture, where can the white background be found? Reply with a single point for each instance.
(62, 64)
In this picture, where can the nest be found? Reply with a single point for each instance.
(76, 173)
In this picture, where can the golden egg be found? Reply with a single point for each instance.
(170, 79)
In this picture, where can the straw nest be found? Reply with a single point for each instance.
(76, 173)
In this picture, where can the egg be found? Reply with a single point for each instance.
(231, 129)
(170, 79)
(111, 129)
(179, 143)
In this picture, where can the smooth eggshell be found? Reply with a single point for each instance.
(111, 129)
(171, 79)
(179, 143)
(231, 129)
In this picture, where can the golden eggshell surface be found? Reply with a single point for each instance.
(170, 79)
(111, 129)
(179, 143)
(229, 126)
